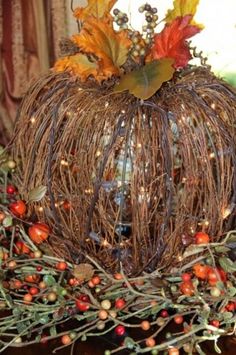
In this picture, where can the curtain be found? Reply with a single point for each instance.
(30, 32)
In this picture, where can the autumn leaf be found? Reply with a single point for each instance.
(96, 8)
(83, 272)
(110, 47)
(144, 82)
(171, 42)
(78, 64)
(183, 8)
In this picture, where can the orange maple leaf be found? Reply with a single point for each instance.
(171, 42)
(96, 8)
(99, 39)
(77, 64)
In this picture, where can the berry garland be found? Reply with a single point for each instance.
(39, 292)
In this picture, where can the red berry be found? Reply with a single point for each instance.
(21, 248)
(39, 232)
(39, 268)
(202, 238)
(82, 306)
(215, 323)
(96, 280)
(120, 303)
(84, 298)
(61, 266)
(11, 190)
(18, 208)
(164, 313)
(120, 330)
(186, 277)
(187, 288)
(230, 307)
(33, 291)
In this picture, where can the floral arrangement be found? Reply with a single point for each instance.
(142, 61)
(40, 294)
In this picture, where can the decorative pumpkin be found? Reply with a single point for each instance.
(138, 175)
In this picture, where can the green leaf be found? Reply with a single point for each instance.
(7, 222)
(83, 338)
(44, 319)
(192, 250)
(231, 291)
(227, 264)
(227, 316)
(144, 82)
(37, 194)
(49, 280)
(222, 249)
(129, 343)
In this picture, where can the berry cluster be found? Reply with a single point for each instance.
(121, 19)
(151, 19)
(138, 47)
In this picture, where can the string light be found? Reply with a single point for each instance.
(68, 114)
(88, 191)
(98, 153)
(212, 155)
(139, 145)
(213, 106)
(40, 209)
(64, 162)
(33, 120)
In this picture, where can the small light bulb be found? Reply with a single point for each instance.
(64, 162)
(40, 209)
(98, 153)
(212, 155)
(33, 120)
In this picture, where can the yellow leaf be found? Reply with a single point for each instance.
(183, 8)
(110, 47)
(96, 8)
(78, 64)
(144, 82)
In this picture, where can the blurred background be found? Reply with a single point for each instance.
(30, 32)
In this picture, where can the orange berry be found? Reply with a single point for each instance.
(145, 325)
(173, 351)
(66, 339)
(118, 276)
(150, 342)
(102, 314)
(91, 284)
(27, 298)
(17, 284)
(61, 265)
(12, 264)
(178, 319)
(202, 238)
(32, 278)
(96, 280)
(201, 271)
(42, 285)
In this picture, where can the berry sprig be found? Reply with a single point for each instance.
(121, 19)
(151, 19)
